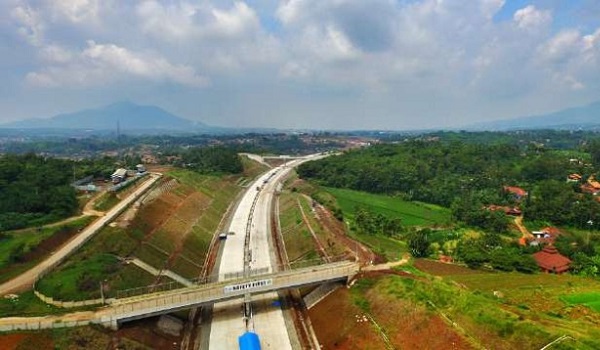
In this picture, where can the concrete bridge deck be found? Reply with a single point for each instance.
(132, 308)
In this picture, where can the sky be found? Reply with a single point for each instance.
(319, 64)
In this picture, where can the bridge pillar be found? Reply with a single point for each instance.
(110, 323)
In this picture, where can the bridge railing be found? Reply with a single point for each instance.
(217, 291)
(167, 286)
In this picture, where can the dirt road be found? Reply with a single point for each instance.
(25, 281)
(525, 234)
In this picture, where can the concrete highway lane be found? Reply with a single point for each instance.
(268, 320)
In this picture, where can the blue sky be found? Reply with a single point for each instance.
(343, 64)
(582, 14)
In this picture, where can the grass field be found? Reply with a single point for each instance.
(22, 249)
(27, 304)
(547, 305)
(106, 201)
(77, 277)
(591, 300)
(298, 240)
(411, 213)
(391, 249)
(172, 231)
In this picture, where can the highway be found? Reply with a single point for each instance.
(25, 280)
(252, 213)
(146, 305)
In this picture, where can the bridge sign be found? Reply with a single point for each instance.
(248, 285)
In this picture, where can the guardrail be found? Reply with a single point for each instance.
(137, 307)
(158, 303)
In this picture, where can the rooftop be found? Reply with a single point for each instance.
(549, 259)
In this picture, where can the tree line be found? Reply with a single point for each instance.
(35, 190)
(468, 177)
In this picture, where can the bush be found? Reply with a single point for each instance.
(418, 242)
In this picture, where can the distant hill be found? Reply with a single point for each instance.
(130, 116)
(586, 117)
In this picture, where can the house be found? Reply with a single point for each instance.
(574, 178)
(518, 192)
(119, 175)
(140, 168)
(446, 259)
(539, 234)
(593, 182)
(551, 261)
(587, 188)
(514, 211)
(592, 186)
(547, 235)
(551, 231)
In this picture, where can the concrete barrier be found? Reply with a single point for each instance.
(68, 304)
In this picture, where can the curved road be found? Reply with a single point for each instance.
(25, 280)
(268, 320)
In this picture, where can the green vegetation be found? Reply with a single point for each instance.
(77, 278)
(528, 316)
(409, 213)
(467, 177)
(27, 304)
(591, 300)
(251, 168)
(106, 201)
(173, 231)
(389, 248)
(19, 250)
(35, 191)
(212, 160)
(298, 240)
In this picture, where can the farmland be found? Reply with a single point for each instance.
(421, 311)
(591, 300)
(411, 213)
(19, 250)
(540, 306)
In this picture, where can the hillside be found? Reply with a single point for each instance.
(584, 117)
(130, 116)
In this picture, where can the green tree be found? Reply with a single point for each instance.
(418, 242)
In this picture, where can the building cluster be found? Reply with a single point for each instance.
(122, 174)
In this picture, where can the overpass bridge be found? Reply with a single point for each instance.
(147, 305)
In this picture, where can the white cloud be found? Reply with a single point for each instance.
(102, 63)
(56, 54)
(571, 58)
(562, 47)
(530, 17)
(237, 21)
(76, 11)
(184, 20)
(396, 53)
(30, 24)
(168, 21)
(592, 41)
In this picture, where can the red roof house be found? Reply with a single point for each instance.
(551, 261)
(514, 211)
(588, 188)
(517, 191)
(446, 259)
(552, 231)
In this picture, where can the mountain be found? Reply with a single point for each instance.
(128, 115)
(585, 117)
